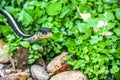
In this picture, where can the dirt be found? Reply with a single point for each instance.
(21, 58)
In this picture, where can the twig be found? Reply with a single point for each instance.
(78, 10)
(12, 62)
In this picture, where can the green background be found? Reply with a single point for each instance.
(89, 51)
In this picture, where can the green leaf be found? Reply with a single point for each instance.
(117, 75)
(83, 1)
(47, 24)
(58, 37)
(43, 4)
(117, 13)
(35, 2)
(106, 6)
(64, 11)
(31, 61)
(100, 8)
(13, 46)
(19, 2)
(95, 39)
(5, 29)
(41, 20)
(114, 38)
(30, 4)
(57, 48)
(31, 56)
(25, 44)
(102, 70)
(117, 54)
(74, 2)
(88, 51)
(76, 65)
(111, 1)
(25, 17)
(85, 28)
(70, 44)
(36, 47)
(117, 31)
(54, 8)
(87, 58)
(114, 69)
(10, 37)
(109, 16)
(110, 26)
(92, 22)
(2, 3)
(39, 13)
(36, 57)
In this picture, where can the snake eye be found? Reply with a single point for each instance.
(44, 30)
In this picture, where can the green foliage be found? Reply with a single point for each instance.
(53, 8)
(89, 51)
(25, 44)
(117, 75)
(117, 13)
(34, 50)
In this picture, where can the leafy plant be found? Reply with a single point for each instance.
(88, 30)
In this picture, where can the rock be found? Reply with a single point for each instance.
(21, 58)
(4, 56)
(1, 43)
(39, 73)
(16, 76)
(69, 75)
(1, 66)
(57, 65)
(4, 72)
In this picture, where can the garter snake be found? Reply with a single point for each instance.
(42, 33)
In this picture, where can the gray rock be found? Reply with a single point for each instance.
(1, 66)
(39, 73)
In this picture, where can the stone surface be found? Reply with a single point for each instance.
(16, 76)
(4, 54)
(4, 72)
(69, 75)
(39, 73)
(1, 66)
(57, 65)
(1, 43)
(4, 49)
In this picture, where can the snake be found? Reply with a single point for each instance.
(17, 28)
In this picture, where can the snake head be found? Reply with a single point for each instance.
(44, 33)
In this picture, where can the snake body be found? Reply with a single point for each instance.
(18, 29)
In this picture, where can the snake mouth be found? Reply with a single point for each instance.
(46, 36)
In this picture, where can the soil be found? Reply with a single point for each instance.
(21, 58)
